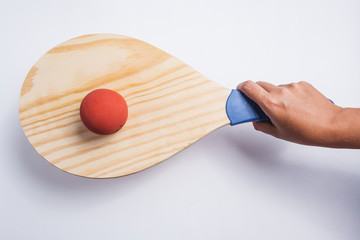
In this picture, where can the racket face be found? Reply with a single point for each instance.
(170, 105)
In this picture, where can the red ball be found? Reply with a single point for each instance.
(103, 111)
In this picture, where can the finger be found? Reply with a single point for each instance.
(267, 86)
(254, 92)
(304, 83)
(290, 85)
(265, 127)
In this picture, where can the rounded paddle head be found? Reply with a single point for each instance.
(170, 105)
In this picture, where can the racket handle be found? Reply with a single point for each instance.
(241, 109)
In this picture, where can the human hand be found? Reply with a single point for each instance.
(298, 112)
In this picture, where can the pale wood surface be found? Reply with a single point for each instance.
(170, 105)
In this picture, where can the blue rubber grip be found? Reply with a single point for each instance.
(241, 109)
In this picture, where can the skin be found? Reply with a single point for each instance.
(299, 113)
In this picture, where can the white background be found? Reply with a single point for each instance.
(235, 183)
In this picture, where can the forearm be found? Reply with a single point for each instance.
(347, 128)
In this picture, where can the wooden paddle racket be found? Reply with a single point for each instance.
(170, 105)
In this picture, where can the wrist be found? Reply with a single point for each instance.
(345, 129)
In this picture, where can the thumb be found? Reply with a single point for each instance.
(266, 127)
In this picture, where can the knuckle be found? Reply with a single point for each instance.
(284, 90)
(271, 102)
(303, 83)
(293, 86)
(247, 85)
(275, 103)
(248, 82)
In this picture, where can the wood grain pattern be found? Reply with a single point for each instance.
(170, 105)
